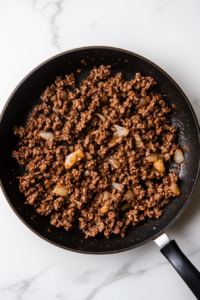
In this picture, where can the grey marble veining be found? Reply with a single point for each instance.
(55, 11)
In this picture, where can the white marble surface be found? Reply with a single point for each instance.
(166, 32)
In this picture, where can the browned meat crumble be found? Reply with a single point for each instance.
(111, 169)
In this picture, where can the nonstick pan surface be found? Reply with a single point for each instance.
(27, 95)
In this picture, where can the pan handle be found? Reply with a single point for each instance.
(180, 262)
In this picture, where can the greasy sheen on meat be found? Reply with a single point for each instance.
(106, 164)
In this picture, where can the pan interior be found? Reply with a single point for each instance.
(27, 95)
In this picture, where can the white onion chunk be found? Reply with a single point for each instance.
(101, 117)
(73, 157)
(114, 162)
(47, 135)
(61, 190)
(121, 131)
(178, 157)
(118, 187)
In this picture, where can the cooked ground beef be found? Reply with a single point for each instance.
(112, 170)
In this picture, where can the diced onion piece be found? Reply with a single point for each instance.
(129, 196)
(47, 135)
(88, 156)
(103, 99)
(175, 189)
(87, 173)
(159, 166)
(178, 157)
(105, 195)
(73, 157)
(118, 187)
(55, 110)
(105, 209)
(125, 206)
(121, 131)
(114, 162)
(153, 157)
(101, 117)
(94, 132)
(61, 190)
(142, 102)
(138, 142)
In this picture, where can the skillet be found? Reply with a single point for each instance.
(27, 95)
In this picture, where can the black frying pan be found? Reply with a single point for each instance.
(27, 95)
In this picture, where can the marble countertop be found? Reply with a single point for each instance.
(166, 32)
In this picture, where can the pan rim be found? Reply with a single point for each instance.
(194, 117)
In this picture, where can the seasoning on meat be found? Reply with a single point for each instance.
(99, 153)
